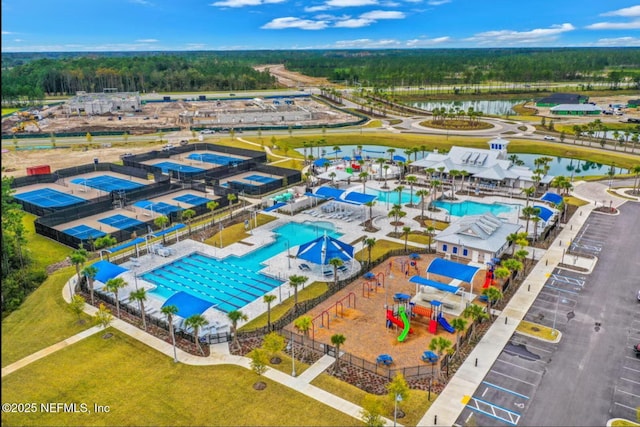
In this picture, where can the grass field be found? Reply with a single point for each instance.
(143, 387)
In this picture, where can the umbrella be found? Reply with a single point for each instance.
(414, 256)
(346, 158)
(369, 275)
(323, 249)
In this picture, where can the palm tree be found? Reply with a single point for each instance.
(212, 206)
(439, 345)
(187, 215)
(114, 285)
(422, 194)
(162, 222)
(268, 299)
(370, 204)
(458, 324)
(363, 176)
(396, 212)
(476, 313)
(197, 321)
(529, 212)
(493, 295)
(369, 242)
(337, 340)
(399, 190)
(380, 161)
(530, 191)
(170, 311)
(105, 242)
(411, 179)
(336, 262)
(405, 233)
(236, 316)
(140, 295)
(391, 151)
(636, 172)
(78, 258)
(231, 198)
(430, 233)
(386, 171)
(90, 273)
(303, 324)
(336, 149)
(294, 282)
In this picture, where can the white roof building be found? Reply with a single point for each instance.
(485, 166)
(476, 237)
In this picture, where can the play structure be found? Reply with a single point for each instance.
(489, 280)
(338, 308)
(401, 320)
(434, 314)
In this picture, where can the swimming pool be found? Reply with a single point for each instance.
(232, 282)
(469, 207)
(392, 196)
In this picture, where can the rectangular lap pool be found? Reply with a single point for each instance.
(232, 282)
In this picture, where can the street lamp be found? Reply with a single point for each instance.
(293, 356)
(288, 254)
(395, 408)
(221, 235)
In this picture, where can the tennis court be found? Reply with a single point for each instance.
(260, 178)
(192, 199)
(106, 183)
(159, 207)
(167, 166)
(217, 159)
(84, 232)
(48, 198)
(121, 221)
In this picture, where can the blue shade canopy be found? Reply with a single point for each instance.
(187, 305)
(321, 162)
(107, 270)
(443, 267)
(323, 249)
(414, 256)
(554, 198)
(369, 275)
(397, 158)
(545, 213)
(437, 285)
(346, 158)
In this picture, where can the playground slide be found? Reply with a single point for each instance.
(398, 322)
(405, 320)
(445, 325)
(488, 281)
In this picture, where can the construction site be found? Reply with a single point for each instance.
(129, 112)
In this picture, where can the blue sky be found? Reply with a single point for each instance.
(140, 25)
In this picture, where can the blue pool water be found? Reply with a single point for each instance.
(469, 207)
(232, 282)
(392, 196)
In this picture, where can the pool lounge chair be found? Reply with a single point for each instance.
(343, 268)
(304, 267)
(327, 273)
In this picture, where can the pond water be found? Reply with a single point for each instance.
(559, 165)
(497, 107)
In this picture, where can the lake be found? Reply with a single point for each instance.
(497, 107)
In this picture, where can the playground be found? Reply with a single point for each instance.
(369, 313)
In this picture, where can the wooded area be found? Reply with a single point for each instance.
(31, 76)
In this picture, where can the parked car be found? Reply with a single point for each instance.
(207, 131)
(549, 138)
(636, 349)
(638, 295)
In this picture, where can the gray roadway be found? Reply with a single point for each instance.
(591, 374)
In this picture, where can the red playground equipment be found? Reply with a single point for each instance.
(489, 279)
(391, 319)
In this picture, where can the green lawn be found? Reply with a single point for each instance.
(143, 387)
(43, 250)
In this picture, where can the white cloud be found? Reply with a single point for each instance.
(18, 40)
(142, 2)
(243, 3)
(147, 41)
(291, 22)
(6, 33)
(627, 12)
(510, 37)
(367, 44)
(351, 3)
(383, 14)
(318, 8)
(619, 42)
(422, 42)
(631, 25)
(354, 23)
(437, 2)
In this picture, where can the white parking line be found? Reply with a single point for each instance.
(518, 366)
(625, 406)
(627, 392)
(631, 381)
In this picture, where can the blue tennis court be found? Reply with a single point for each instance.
(107, 183)
(84, 232)
(260, 178)
(218, 159)
(170, 166)
(159, 207)
(192, 199)
(48, 198)
(121, 221)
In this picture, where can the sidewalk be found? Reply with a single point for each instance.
(451, 402)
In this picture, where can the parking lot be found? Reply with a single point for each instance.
(591, 374)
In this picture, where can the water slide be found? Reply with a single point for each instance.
(445, 325)
(400, 323)
(488, 281)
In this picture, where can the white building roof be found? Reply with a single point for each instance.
(485, 232)
(575, 107)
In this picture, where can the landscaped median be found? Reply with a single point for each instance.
(538, 331)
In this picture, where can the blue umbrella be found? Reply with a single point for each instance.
(414, 256)
(369, 275)
(323, 249)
